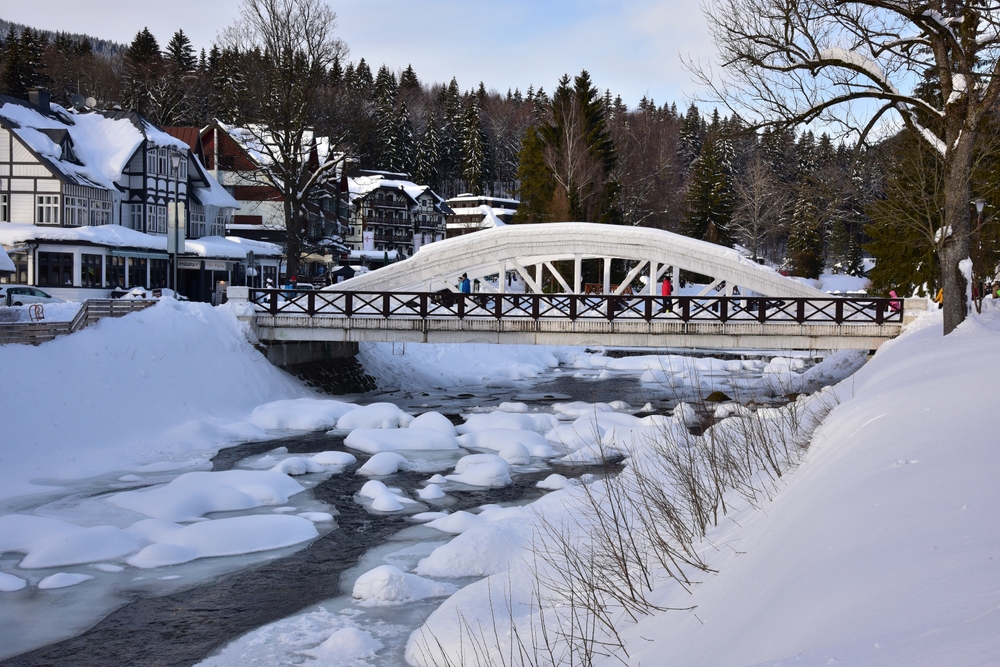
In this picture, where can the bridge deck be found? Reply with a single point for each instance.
(565, 319)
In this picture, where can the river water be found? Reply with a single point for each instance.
(181, 614)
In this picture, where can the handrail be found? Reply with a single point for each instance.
(615, 308)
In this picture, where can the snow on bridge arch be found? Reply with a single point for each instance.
(531, 250)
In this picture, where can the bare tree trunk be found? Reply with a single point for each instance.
(293, 236)
(955, 248)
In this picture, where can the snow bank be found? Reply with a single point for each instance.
(174, 363)
(304, 414)
(345, 648)
(486, 470)
(384, 463)
(48, 542)
(376, 415)
(434, 421)
(498, 439)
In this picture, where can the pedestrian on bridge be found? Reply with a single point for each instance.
(464, 284)
(666, 290)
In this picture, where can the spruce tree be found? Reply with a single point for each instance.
(711, 200)
(180, 52)
(538, 182)
(408, 79)
(805, 245)
(428, 158)
(405, 148)
(473, 150)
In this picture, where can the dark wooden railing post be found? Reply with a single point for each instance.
(423, 306)
(648, 308)
(839, 310)
(685, 308)
(498, 305)
(879, 311)
(762, 310)
(461, 305)
(385, 305)
(723, 309)
(348, 304)
(536, 306)
(800, 310)
(572, 307)
(274, 302)
(311, 303)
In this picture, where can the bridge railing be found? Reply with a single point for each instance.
(448, 305)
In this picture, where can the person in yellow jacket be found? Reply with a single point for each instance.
(939, 298)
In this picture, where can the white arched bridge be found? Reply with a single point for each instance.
(553, 284)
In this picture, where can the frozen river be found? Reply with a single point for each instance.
(281, 605)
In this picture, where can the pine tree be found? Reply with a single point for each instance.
(711, 200)
(805, 245)
(363, 80)
(428, 157)
(22, 60)
(690, 136)
(538, 183)
(142, 69)
(473, 150)
(385, 85)
(180, 53)
(408, 79)
(336, 72)
(405, 148)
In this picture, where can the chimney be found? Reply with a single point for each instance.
(40, 98)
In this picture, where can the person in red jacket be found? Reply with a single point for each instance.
(666, 290)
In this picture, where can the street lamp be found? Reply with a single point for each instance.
(977, 251)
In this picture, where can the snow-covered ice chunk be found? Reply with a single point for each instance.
(194, 494)
(541, 422)
(48, 542)
(333, 458)
(374, 440)
(431, 492)
(434, 421)
(316, 517)
(174, 543)
(107, 567)
(373, 489)
(488, 547)
(457, 523)
(298, 465)
(555, 481)
(63, 579)
(423, 517)
(498, 438)
(376, 415)
(437, 479)
(130, 478)
(386, 502)
(486, 470)
(345, 647)
(388, 584)
(513, 407)
(685, 413)
(301, 414)
(10, 583)
(384, 463)
(515, 454)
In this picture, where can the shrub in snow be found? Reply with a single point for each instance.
(389, 584)
(376, 415)
(297, 465)
(434, 421)
(384, 463)
(374, 440)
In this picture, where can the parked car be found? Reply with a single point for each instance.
(22, 295)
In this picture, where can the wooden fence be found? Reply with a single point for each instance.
(33, 333)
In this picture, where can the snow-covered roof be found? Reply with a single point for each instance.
(6, 264)
(116, 236)
(375, 254)
(88, 149)
(362, 186)
(489, 221)
(471, 199)
(259, 144)
(214, 194)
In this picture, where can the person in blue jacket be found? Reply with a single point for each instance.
(464, 284)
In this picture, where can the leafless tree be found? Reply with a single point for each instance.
(762, 206)
(286, 48)
(847, 63)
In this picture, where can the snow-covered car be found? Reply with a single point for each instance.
(22, 295)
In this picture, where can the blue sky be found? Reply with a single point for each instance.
(633, 47)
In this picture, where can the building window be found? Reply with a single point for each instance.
(48, 210)
(20, 275)
(157, 273)
(135, 216)
(197, 227)
(4, 209)
(151, 161)
(55, 269)
(75, 211)
(161, 161)
(116, 272)
(100, 213)
(161, 219)
(91, 273)
(137, 272)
